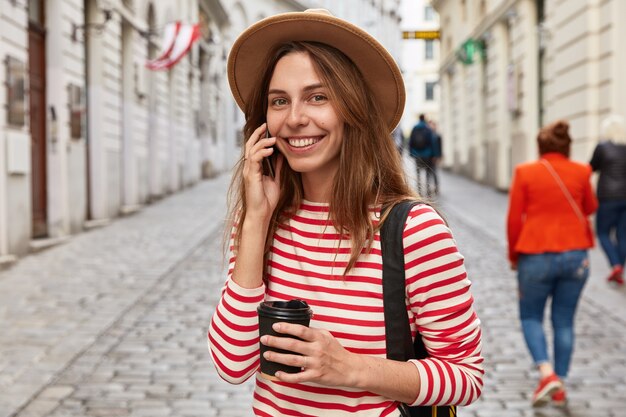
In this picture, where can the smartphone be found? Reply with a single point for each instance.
(268, 162)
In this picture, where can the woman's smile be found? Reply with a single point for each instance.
(300, 143)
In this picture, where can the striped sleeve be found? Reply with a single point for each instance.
(442, 308)
(233, 335)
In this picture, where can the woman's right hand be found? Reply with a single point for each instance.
(261, 191)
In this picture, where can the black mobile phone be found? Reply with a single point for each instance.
(268, 162)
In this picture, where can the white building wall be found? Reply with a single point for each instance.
(473, 120)
(121, 176)
(526, 57)
(582, 45)
(417, 70)
(66, 162)
(112, 118)
(500, 147)
(4, 245)
(379, 18)
(130, 130)
(615, 57)
(15, 200)
(445, 114)
(582, 78)
(495, 99)
(162, 80)
(141, 120)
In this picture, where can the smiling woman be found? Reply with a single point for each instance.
(309, 131)
(330, 95)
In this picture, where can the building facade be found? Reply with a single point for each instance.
(510, 66)
(420, 63)
(380, 18)
(89, 132)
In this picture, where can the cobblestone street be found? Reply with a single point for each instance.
(113, 322)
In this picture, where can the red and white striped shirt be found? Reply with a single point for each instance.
(304, 263)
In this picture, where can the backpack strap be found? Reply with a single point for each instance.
(400, 347)
(397, 328)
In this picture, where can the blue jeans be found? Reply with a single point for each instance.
(611, 230)
(560, 276)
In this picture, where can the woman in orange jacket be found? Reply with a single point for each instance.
(548, 236)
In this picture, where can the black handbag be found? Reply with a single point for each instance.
(400, 347)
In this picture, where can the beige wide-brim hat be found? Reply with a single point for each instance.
(317, 25)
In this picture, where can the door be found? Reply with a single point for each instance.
(37, 98)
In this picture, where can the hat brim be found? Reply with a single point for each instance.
(376, 64)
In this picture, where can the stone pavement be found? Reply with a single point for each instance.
(71, 314)
(113, 323)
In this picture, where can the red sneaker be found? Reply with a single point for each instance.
(617, 275)
(547, 386)
(559, 399)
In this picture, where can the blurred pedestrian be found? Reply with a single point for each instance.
(437, 153)
(421, 148)
(548, 236)
(324, 108)
(609, 159)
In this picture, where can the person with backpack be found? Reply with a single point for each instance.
(321, 97)
(422, 150)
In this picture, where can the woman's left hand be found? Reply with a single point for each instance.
(323, 359)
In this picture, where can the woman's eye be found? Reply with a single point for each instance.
(319, 97)
(279, 102)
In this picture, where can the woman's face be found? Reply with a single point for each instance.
(308, 129)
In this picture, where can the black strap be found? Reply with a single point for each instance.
(397, 328)
(400, 347)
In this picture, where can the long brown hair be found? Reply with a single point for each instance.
(370, 168)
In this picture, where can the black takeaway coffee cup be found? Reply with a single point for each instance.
(270, 312)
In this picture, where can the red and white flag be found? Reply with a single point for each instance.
(177, 41)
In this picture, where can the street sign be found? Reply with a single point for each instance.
(420, 34)
(469, 49)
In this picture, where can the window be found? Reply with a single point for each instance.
(429, 13)
(429, 93)
(429, 49)
(35, 11)
(77, 110)
(16, 91)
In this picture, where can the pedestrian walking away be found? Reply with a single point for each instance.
(321, 98)
(609, 159)
(437, 153)
(548, 237)
(421, 148)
